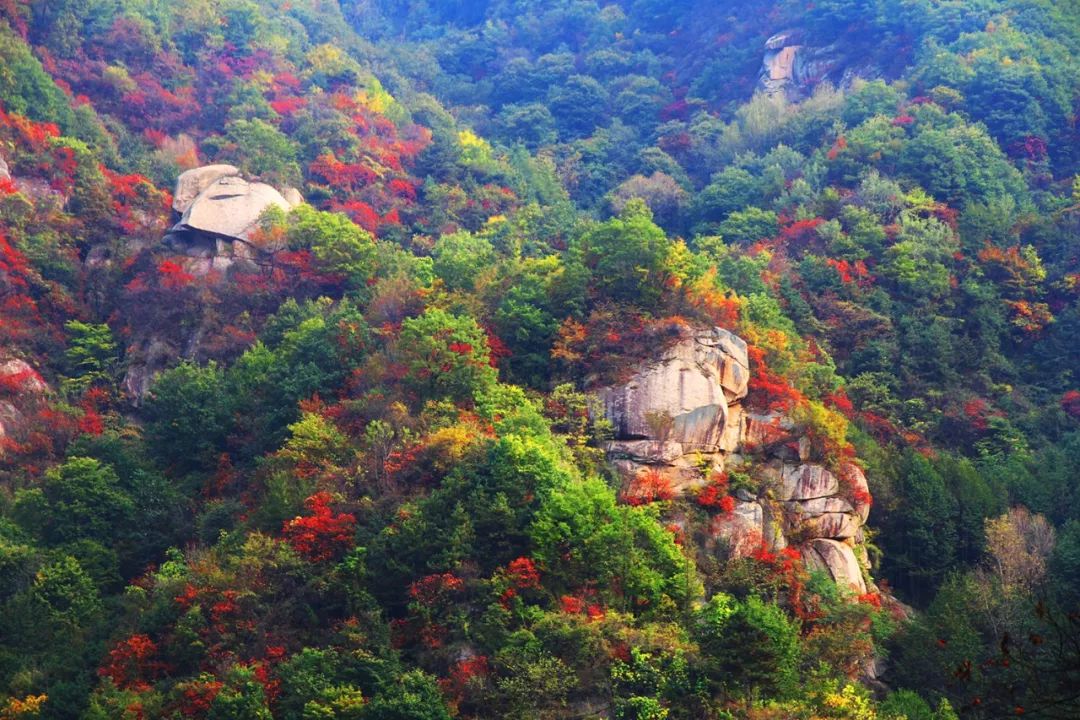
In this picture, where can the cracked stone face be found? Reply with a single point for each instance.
(684, 397)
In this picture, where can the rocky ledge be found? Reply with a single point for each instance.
(21, 392)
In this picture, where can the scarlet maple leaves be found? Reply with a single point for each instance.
(323, 535)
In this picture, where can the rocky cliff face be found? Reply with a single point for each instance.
(793, 66)
(216, 212)
(683, 417)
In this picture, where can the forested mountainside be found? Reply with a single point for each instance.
(403, 360)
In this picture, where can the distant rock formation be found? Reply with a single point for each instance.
(191, 184)
(793, 67)
(682, 417)
(21, 389)
(218, 211)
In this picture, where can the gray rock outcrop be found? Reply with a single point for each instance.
(680, 408)
(682, 417)
(230, 207)
(836, 558)
(793, 66)
(219, 212)
(5, 174)
(191, 183)
(685, 396)
(17, 377)
(21, 391)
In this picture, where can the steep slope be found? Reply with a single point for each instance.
(507, 359)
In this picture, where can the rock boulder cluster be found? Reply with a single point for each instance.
(682, 417)
(218, 211)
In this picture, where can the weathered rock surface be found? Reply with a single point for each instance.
(190, 184)
(293, 197)
(684, 397)
(231, 207)
(5, 174)
(805, 482)
(681, 418)
(146, 362)
(743, 529)
(793, 66)
(18, 378)
(836, 558)
(22, 389)
(11, 418)
(764, 433)
(220, 212)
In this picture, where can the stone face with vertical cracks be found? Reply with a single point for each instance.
(793, 66)
(836, 558)
(805, 482)
(681, 417)
(684, 396)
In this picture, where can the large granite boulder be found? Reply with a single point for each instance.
(836, 558)
(293, 197)
(680, 419)
(683, 397)
(230, 207)
(190, 184)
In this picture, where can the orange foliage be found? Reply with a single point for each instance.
(649, 486)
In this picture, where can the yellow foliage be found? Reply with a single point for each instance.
(449, 445)
(474, 149)
(571, 334)
(826, 425)
(28, 707)
(375, 101)
(848, 705)
(262, 79)
(325, 56)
